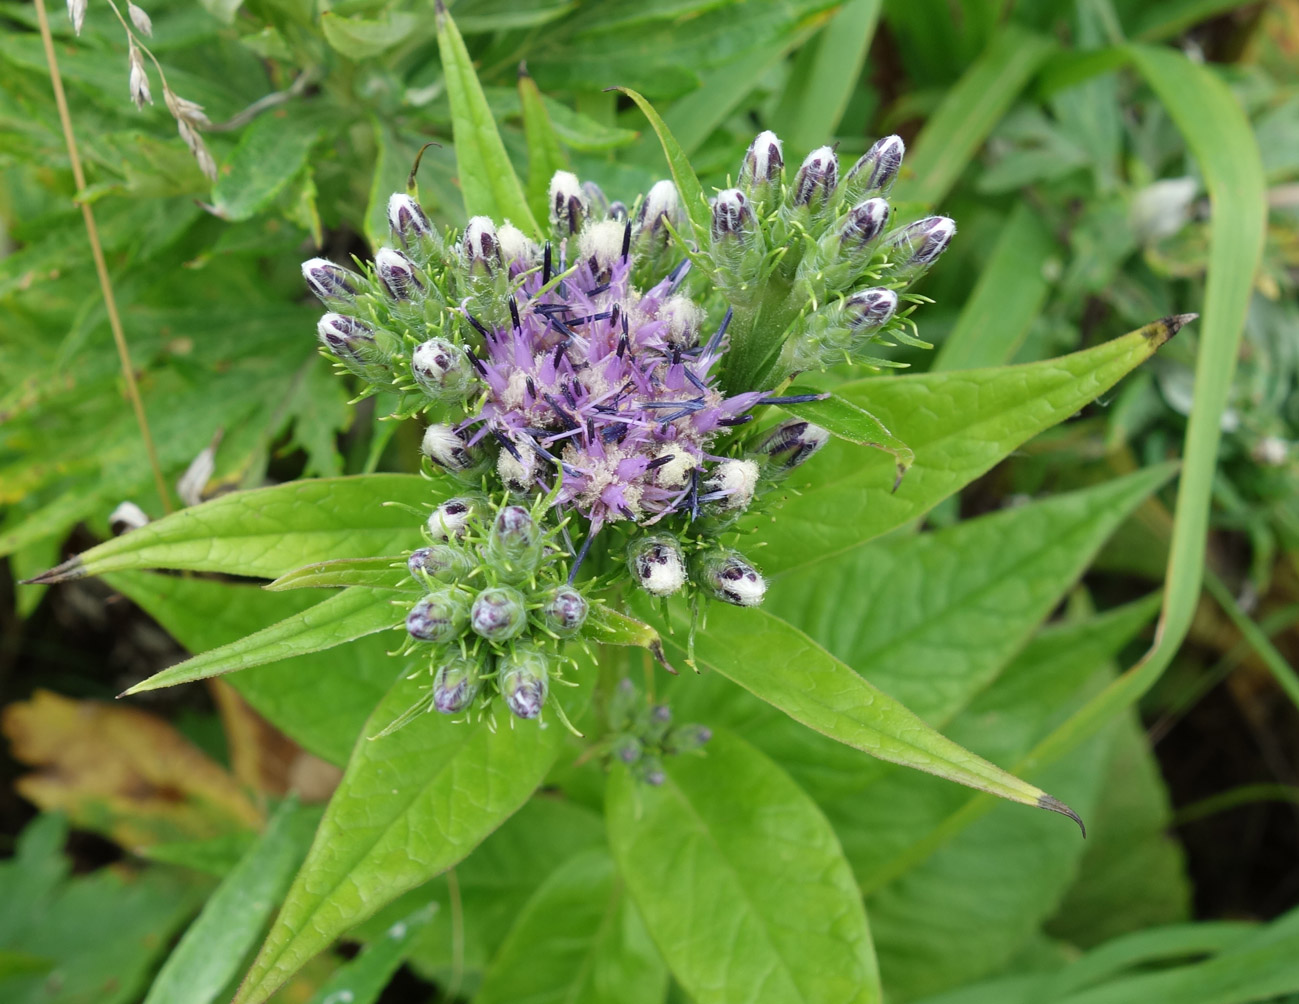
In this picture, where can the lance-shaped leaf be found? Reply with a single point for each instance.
(578, 940)
(845, 420)
(959, 425)
(410, 806)
(758, 651)
(545, 155)
(741, 881)
(269, 531)
(346, 616)
(688, 186)
(377, 573)
(487, 178)
(209, 954)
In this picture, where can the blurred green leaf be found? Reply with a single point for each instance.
(364, 38)
(211, 950)
(363, 979)
(741, 881)
(487, 178)
(545, 155)
(272, 150)
(580, 940)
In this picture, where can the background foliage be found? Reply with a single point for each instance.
(1109, 162)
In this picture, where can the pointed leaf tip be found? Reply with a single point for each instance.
(1045, 801)
(1165, 328)
(65, 572)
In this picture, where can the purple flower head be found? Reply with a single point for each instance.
(603, 382)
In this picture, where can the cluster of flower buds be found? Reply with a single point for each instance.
(822, 245)
(642, 734)
(496, 607)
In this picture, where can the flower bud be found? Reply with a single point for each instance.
(728, 576)
(732, 217)
(649, 770)
(661, 203)
(143, 23)
(794, 442)
(660, 720)
(411, 228)
(568, 206)
(397, 273)
(870, 309)
(480, 247)
(440, 561)
(523, 679)
(438, 617)
(499, 614)
(517, 473)
(875, 172)
(816, 180)
(352, 342)
(446, 448)
(127, 517)
(657, 564)
(516, 247)
(600, 244)
(623, 705)
(565, 611)
(763, 163)
(333, 285)
(451, 518)
(863, 226)
(735, 481)
(686, 739)
(455, 685)
(627, 749)
(514, 541)
(618, 211)
(595, 199)
(138, 79)
(920, 244)
(439, 368)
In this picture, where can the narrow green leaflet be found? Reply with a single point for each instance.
(269, 531)
(579, 940)
(378, 573)
(932, 618)
(741, 881)
(320, 700)
(958, 424)
(272, 150)
(487, 178)
(362, 980)
(844, 420)
(361, 38)
(609, 627)
(545, 155)
(1007, 297)
(691, 191)
(410, 805)
(346, 616)
(756, 649)
(211, 950)
(968, 114)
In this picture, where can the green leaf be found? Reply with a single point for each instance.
(410, 805)
(756, 649)
(1219, 135)
(346, 616)
(932, 618)
(487, 178)
(830, 66)
(692, 195)
(272, 151)
(319, 700)
(579, 940)
(843, 419)
(741, 881)
(956, 130)
(502, 15)
(958, 424)
(360, 38)
(362, 980)
(545, 155)
(1007, 297)
(378, 573)
(211, 950)
(609, 627)
(268, 531)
